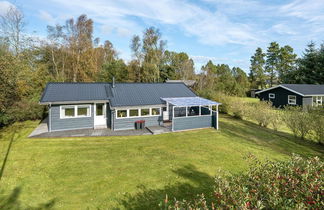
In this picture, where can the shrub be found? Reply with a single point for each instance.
(239, 109)
(317, 125)
(264, 114)
(294, 184)
(299, 121)
(225, 100)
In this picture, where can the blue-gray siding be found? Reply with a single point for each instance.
(307, 101)
(184, 123)
(129, 123)
(70, 123)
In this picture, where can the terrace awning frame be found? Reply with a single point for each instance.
(186, 102)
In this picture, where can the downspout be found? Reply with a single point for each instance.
(49, 118)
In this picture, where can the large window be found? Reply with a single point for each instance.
(318, 100)
(205, 110)
(272, 96)
(133, 113)
(145, 112)
(193, 110)
(121, 113)
(291, 99)
(74, 111)
(138, 112)
(156, 111)
(179, 111)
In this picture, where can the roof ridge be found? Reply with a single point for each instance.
(116, 83)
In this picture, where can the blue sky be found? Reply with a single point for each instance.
(224, 31)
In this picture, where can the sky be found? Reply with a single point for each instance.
(224, 31)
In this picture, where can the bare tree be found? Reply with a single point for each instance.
(12, 26)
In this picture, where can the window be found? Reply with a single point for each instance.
(291, 99)
(193, 110)
(83, 111)
(121, 113)
(75, 111)
(179, 111)
(68, 112)
(133, 113)
(156, 111)
(145, 112)
(272, 95)
(318, 100)
(205, 110)
(99, 109)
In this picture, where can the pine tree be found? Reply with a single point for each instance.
(287, 63)
(257, 74)
(272, 62)
(309, 70)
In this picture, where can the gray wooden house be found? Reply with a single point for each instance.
(119, 106)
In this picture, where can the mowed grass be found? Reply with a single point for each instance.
(134, 172)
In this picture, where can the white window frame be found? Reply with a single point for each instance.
(62, 112)
(151, 113)
(319, 100)
(127, 113)
(139, 112)
(200, 115)
(272, 96)
(290, 103)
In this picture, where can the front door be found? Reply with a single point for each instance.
(100, 115)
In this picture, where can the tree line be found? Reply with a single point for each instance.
(71, 53)
(280, 65)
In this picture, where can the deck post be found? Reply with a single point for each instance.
(216, 117)
(172, 126)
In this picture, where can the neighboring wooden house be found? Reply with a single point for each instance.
(118, 106)
(294, 94)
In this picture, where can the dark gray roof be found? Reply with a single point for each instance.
(302, 89)
(61, 91)
(306, 89)
(132, 94)
(123, 94)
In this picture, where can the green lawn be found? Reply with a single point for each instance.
(134, 172)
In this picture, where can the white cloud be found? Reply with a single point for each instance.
(210, 27)
(4, 6)
(236, 26)
(310, 10)
(47, 17)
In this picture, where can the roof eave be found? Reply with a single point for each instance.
(72, 102)
(278, 87)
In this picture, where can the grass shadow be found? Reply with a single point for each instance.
(197, 182)
(259, 135)
(12, 202)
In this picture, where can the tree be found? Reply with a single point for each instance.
(153, 50)
(147, 53)
(12, 25)
(310, 66)
(241, 85)
(287, 63)
(272, 62)
(116, 69)
(257, 72)
(177, 66)
(135, 65)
